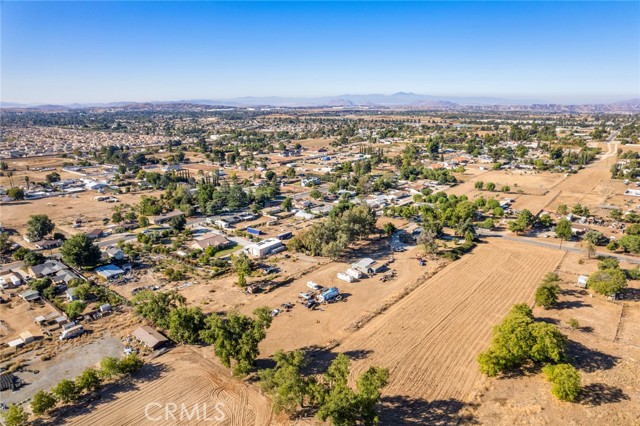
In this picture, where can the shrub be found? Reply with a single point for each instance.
(565, 381)
(547, 295)
(573, 323)
(608, 263)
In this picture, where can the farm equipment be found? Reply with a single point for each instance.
(329, 296)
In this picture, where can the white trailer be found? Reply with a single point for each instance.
(345, 277)
(71, 332)
(354, 273)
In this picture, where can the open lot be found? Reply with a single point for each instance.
(181, 376)
(606, 350)
(430, 339)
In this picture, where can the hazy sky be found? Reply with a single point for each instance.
(140, 51)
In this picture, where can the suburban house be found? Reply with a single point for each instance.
(47, 268)
(266, 247)
(95, 233)
(48, 244)
(150, 337)
(210, 239)
(71, 294)
(114, 253)
(109, 272)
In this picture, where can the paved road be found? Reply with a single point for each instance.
(554, 245)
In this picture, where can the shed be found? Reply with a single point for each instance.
(27, 337)
(30, 296)
(366, 266)
(150, 337)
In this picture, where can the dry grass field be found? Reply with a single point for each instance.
(605, 349)
(430, 339)
(181, 376)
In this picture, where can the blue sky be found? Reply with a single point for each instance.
(58, 52)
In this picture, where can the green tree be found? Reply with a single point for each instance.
(178, 223)
(38, 226)
(565, 381)
(185, 324)
(491, 186)
(343, 405)
(117, 217)
(32, 258)
(315, 194)
(15, 416)
(562, 210)
(563, 230)
(5, 242)
(285, 383)
(242, 264)
(287, 204)
(607, 282)
(80, 251)
(389, 228)
(42, 402)
(109, 367)
(237, 337)
(66, 391)
(89, 380)
(428, 240)
(547, 295)
(608, 263)
(156, 306)
(130, 364)
(16, 193)
(74, 309)
(518, 339)
(143, 222)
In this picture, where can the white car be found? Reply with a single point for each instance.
(305, 296)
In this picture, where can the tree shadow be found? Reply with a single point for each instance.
(319, 360)
(601, 393)
(548, 320)
(573, 292)
(586, 329)
(403, 410)
(571, 304)
(590, 360)
(631, 294)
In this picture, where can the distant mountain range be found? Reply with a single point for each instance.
(405, 100)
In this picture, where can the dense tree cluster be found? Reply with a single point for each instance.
(332, 236)
(329, 394)
(518, 339)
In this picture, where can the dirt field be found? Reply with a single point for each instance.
(606, 350)
(181, 376)
(64, 209)
(431, 338)
(18, 316)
